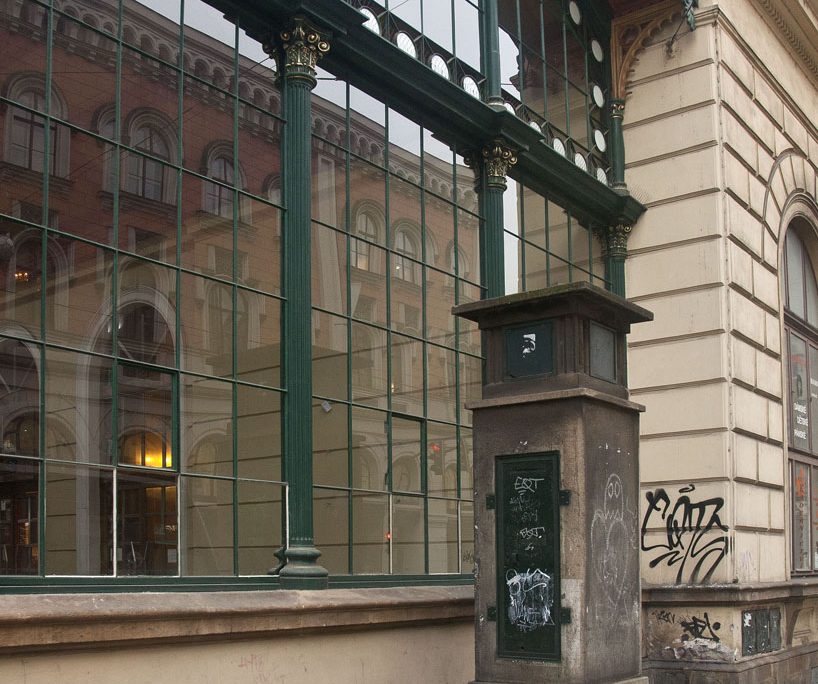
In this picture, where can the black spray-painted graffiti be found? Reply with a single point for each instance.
(531, 599)
(693, 541)
(700, 628)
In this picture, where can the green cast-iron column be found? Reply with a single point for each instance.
(492, 163)
(614, 241)
(297, 50)
(490, 53)
(617, 145)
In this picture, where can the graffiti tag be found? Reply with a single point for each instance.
(531, 599)
(693, 541)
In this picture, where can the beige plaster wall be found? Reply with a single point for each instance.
(419, 654)
(717, 150)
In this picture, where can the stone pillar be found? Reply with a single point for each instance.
(556, 489)
(297, 50)
(491, 164)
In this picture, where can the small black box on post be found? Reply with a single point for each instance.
(556, 489)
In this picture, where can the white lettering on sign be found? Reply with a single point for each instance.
(799, 408)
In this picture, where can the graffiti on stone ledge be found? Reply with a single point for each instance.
(693, 542)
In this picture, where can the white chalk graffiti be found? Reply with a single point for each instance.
(531, 598)
(527, 484)
(613, 536)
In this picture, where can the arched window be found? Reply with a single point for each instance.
(25, 130)
(273, 189)
(801, 323)
(407, 253)
(147, 172)
(219, 196)
(147, 177)
(360, 249)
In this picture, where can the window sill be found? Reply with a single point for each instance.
(32, 623)
(796, 589)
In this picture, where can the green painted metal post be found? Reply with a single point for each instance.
(298, 50)
(617, 145)
(492, 163)
(490, 56)
(614, 241)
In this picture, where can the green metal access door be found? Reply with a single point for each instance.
(528, 556)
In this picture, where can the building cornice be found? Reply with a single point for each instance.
(797, 23)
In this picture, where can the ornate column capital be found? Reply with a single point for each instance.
(497, 158)
(297, 50)
(614, 239)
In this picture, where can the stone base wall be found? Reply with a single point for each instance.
(793, 666)
(412, 634)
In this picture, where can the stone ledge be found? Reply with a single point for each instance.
(71, 621)
(793, 590)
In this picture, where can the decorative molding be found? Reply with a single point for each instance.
(497, 158)
(614, 239)
(799, 43)
(298, 50)
(630, 34)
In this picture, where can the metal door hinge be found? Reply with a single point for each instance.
(565, 616)
(491, 502)
(491, 614)
(565, 497)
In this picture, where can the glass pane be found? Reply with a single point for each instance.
(813, 395)
(369, 449)
(19, 517)
(258, 338)
(207, 314)
(407, 535)
(441, 459)
(146, 318)
(206, 426)
(331, 522)
(207, 518)
(87, 208)
(78, 294)
(406, 455)
(328, 186)
(329, 355)
(814, 515)
(368, 281)
(443, 536)
(260, 515)
(369, 367)
(145, 409)
(78, 405)
(147, 524)
(79, 531)
(471, 384)
(799, 415)
(258, 413)
(329, 268)
(370, 534)
(442, 383)
(19, 398)
(258, 246)
(801, 516)
(406, 385)
(330, 454)
(795, 275)
(21, 277)
(467, 537)
(466, 463)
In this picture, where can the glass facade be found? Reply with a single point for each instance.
(143, 239)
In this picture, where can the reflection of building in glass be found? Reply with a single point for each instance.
(142, 328)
